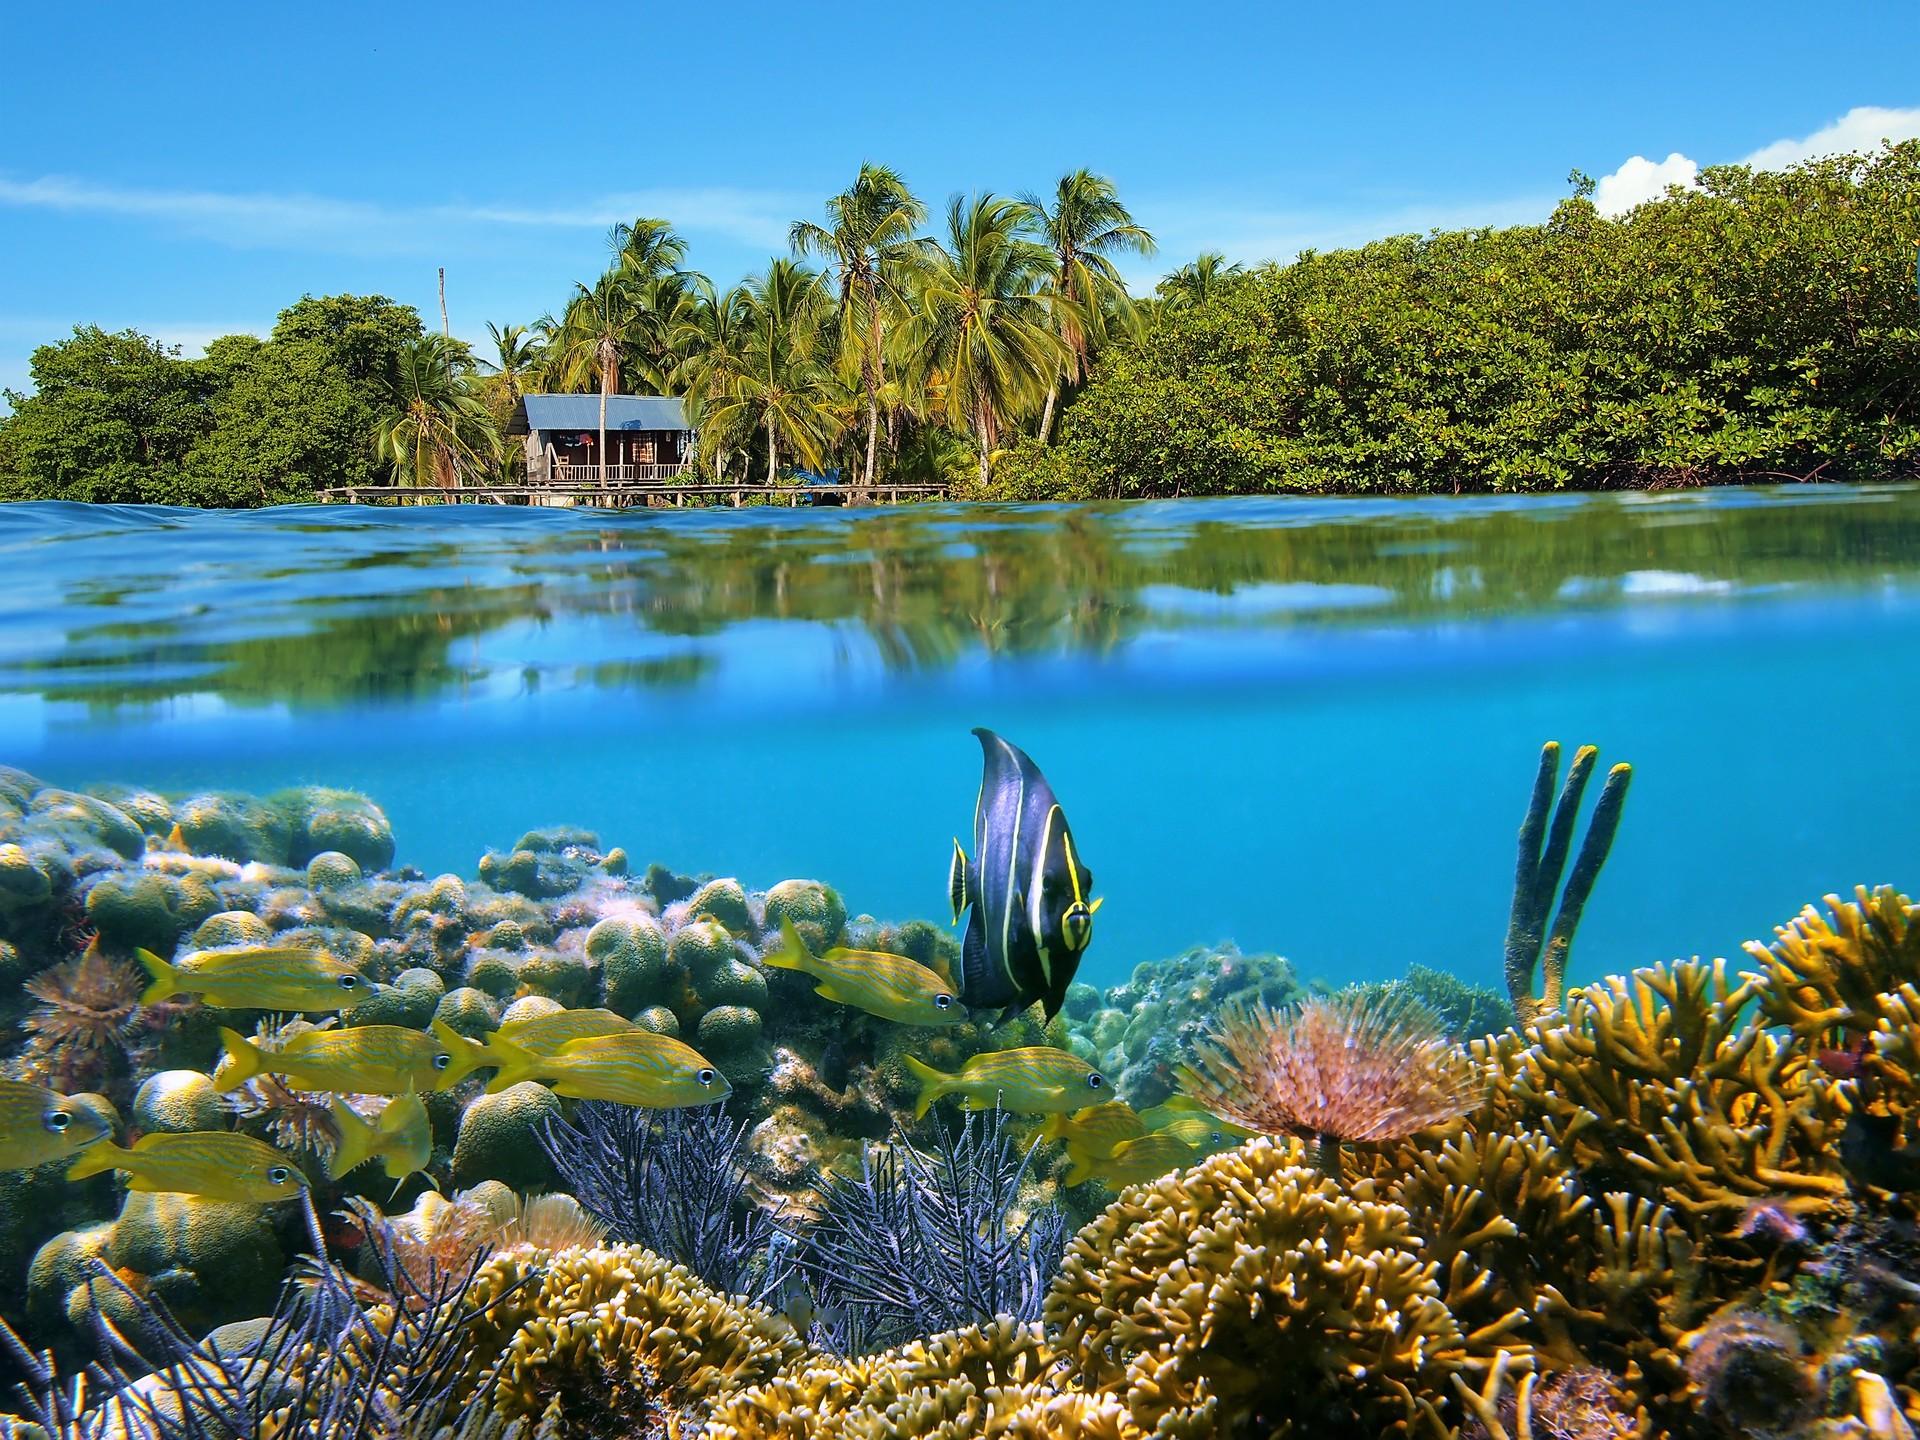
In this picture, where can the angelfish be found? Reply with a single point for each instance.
(1029, 897)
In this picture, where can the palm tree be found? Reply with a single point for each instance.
(710, 343)
(981, 331)
(783, 385)
(434, 424)
(1198, 282)
(588, 345)
(1086, 225)
(647, 248)
(869, 245)
(518, 354)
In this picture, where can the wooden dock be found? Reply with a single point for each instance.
(627, 497)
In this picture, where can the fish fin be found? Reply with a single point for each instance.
(1055, 1127)
(1079, 1172)
(95, 1160)
(1094, 909)
(933, 1084)
(166, 979)
(826, 991)
(957, 880)
(356, 1140)
(244, 1061)
(515, 1064)
(796, 954)
(974, 976)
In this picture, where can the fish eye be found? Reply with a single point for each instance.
(1095, 1082)
(442, 1060)
(704, 1076)
(58, 1120)
(943, 1002)
(277, 1175)
(347, 982)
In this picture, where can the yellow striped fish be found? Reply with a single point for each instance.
(399, 1137)
(636, 1067)
(1184, 1107)
(1095, 1132)
(1205, 1134)
(258, 977)
(890, 986)
(1147, 1158)
(1036, 1080)
(537, 1034)
(216, 1164)
(38, 1125)
(364, 1060)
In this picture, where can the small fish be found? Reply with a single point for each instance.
(1030, 917)
(38, 1125)
(537, 1034)
(1147, 1158)
(258, 977)
(1184, 1107)
(1205, 1134)
(1037, 1080)
(890, 986)
(636, 1067)
(364, 1060)
(1095, 1132)
(215, 1164)
(1845, 1063)
(399, 1137)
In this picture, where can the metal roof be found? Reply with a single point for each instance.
(624, 412)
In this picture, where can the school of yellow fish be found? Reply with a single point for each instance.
(588, 1054)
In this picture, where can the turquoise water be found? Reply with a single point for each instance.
(1305, 726)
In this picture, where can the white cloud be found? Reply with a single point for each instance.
(1641, 180)
(334, 225)
(1861, 128)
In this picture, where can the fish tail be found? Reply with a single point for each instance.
(796, 954)
(933, 1084)
(244, 1061)
(516, 1065)
(95, 1160)
(356, 1140)
(468, 1055)
(166, 979)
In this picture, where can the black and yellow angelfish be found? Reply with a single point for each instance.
(1031, 899)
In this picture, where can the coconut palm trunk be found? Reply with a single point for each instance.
(1046, 416)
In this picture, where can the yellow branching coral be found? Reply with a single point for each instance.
(1659, 1084)
(1360, 1066)
(1251, 1292)
(981, 1383)
(1825, 974)
(621, 1332)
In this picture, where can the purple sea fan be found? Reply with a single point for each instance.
(1359, 1066)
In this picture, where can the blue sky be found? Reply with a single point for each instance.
(191, 169)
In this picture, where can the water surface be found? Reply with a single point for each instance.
(1307, 726)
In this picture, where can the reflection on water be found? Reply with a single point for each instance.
(120, 606)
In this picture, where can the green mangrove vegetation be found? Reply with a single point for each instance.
(1760, 325)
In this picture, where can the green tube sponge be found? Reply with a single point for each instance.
(631, 951)
(816, 911)
(724, 901)
(410, 1001)
(468, 1011)
(333, 870)
(499, 1138)
(178, 1100)
(93, 817)
(231, 927)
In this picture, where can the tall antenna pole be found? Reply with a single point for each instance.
(443, 302)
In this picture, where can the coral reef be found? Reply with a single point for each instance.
(1139, 1034)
